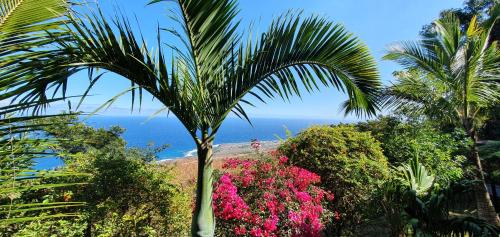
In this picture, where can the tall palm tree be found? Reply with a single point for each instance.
(213, 69)
(453, 76)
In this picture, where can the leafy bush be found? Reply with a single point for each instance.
(442, 153)
(66, 228)
(128, 197)
(350, 163)
(126, 194)
(269, 198)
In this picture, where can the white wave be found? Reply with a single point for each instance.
(193, 152)
(160, 160)
(190, 153)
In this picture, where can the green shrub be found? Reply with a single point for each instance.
(129, 197)
(126, 194)
(351, 165)
(441, 152)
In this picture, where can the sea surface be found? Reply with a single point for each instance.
(141, 131)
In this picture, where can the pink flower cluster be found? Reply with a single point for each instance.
(268, 197)
(255, 144)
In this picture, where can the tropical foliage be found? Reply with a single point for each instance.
(126, 194)
(426, 209)
(416, 177)
(452, 76)
(442, 152)
(453, 71)
(123, 193)
(405, 175)
(25, 28)
(19, 149)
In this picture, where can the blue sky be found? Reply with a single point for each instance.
(377, 22)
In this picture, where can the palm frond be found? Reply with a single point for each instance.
(18, 17)
(457, 72)
(208, 79)
(19, 147)
(26, 31)
(309, 51)
(24, 23)
(210, 30)
(416, 94)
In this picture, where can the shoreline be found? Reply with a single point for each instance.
(226, 150)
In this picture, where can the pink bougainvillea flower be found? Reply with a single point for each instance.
(256, 232)
(240, 230)
(269, 197)
(283, 159)
(255, 144)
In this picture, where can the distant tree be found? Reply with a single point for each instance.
(478, 8)
(76, 137)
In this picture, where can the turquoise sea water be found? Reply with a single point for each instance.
(139, 132)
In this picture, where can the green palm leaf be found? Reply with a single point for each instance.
(18, 149)
(18, 17)
(26, 31)
(457, 69)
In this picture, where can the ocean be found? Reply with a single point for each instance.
(141, 131)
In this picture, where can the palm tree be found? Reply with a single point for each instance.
(213, 69)
(452, 76)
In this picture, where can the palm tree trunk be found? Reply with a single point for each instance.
(203, 223)
(485, 208)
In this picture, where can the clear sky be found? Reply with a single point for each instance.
(377, 22)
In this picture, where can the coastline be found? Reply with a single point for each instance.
(226, 150)
(185, 168)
